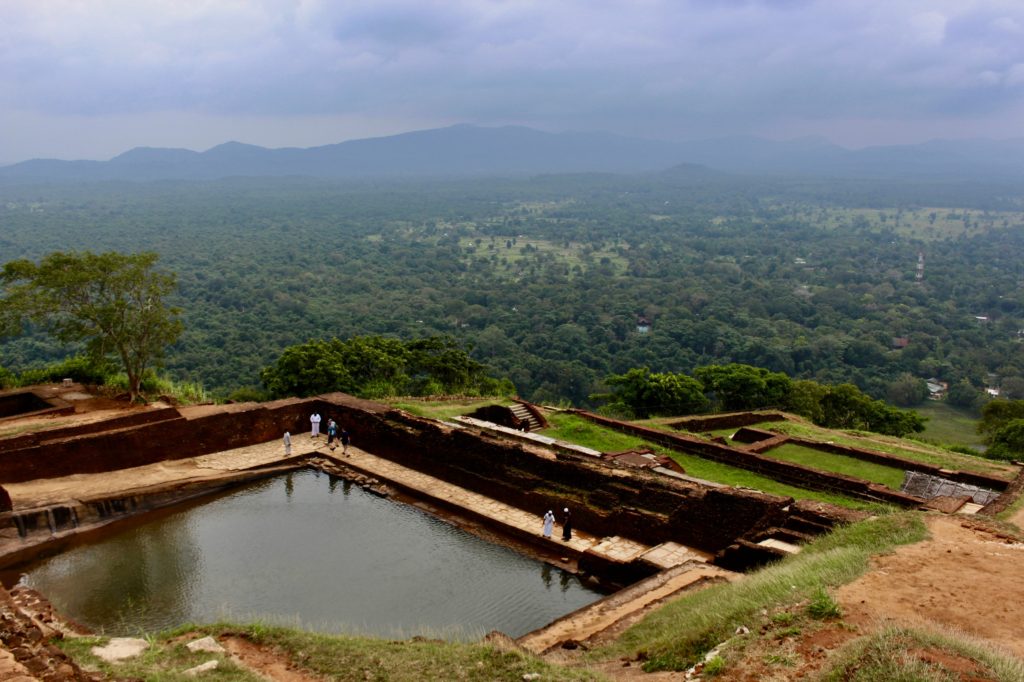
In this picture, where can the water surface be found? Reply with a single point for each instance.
(308, 550)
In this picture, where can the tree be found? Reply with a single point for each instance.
(998, 413)
(1008, 442)
(113, 302)
(646, 394)
(743, 387)
(846, 407)
(377, 366)
(964, 394)
(906, 390)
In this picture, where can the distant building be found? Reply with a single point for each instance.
(937, 388)
(899, 342)
(994, 392)
(643, 325)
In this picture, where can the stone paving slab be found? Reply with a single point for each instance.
(44, 491)
(525, 521)
(500, 514)
(669, 554)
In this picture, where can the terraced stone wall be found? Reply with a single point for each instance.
(139, 444)
(786, 472)
(605, 499)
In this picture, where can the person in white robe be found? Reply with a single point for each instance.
(287, 444)
(549, 522)
(314, 421)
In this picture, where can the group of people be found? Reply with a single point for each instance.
(344, 437)
(334, 432)
(549, 524)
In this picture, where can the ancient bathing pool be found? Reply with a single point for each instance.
(306, 550)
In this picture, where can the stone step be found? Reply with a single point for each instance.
(623, 606)
(806, 526)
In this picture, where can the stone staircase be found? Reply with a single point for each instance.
(526, 416)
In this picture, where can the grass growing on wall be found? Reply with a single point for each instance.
(840, 464)
(909, 449)
(576, 429)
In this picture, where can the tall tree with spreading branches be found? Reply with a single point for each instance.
(113, 302)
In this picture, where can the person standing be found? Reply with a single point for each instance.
(345, 437)
(314, 422)
(549, 523)
(567, 525)
(287, 444)
(332, 431)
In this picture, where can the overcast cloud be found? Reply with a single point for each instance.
(90, 79)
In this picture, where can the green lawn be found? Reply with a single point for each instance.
(575, 429)
(840, 464)
(948, 425)
(909, 449)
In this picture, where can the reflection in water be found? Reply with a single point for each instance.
(293, 549)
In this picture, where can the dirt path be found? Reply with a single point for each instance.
(264, 662)
(964, 577)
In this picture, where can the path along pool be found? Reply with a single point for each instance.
(307, 550)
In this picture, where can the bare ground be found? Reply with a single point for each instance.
(965, 579)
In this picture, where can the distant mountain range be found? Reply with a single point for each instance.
(466, 150)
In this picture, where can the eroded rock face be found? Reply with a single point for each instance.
(26, 653)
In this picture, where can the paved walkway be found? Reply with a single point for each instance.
(45, 492)
(504, 515)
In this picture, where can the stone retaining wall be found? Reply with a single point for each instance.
(642, 505)
(786, 472)
(605, 499)
(138, 444)
(729, 420)
(136, 419)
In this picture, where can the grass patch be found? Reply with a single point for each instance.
(840, 464)
(899, 654)
(335, 657)
(822, 606)
(912, 450)
(946, 424)
(163, 661)
(677, 635)
(1012, 510)
(576, 429)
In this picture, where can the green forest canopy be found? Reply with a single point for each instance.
(547, 280)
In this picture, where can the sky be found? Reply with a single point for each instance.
(89, 79)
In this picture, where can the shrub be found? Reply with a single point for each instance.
(823, 606)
